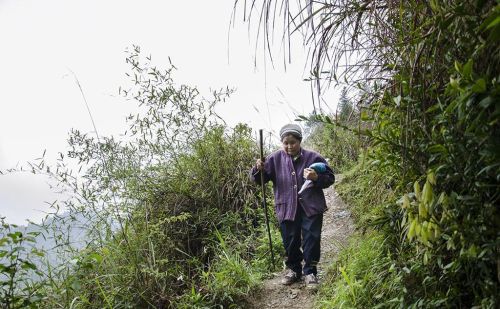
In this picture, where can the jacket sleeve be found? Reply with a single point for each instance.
(326, 178)
(255, 174)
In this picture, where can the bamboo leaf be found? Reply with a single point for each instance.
(437, 149)
(406, 202)
(431, 177)
(427, 193)
(418, 228)
(479, 86)
(416, 189)
(28, 265)
(494, 23)
(411, 230)
(467, 69)
(486, 102)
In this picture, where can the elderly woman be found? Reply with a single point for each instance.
(300, 214)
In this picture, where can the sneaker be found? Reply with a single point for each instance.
(311, 281)
(290, 277)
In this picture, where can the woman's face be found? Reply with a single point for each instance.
(291, 145)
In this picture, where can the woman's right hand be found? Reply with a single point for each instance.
(259, 164)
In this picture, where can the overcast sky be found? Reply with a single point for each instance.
(43, 42)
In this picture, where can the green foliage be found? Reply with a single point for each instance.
(17, 268)
(451, 220)
(337, 137)
(338, 145)
(364, 276)
(159, 207)
(367, 190)
(230, 276)
(262, 260)
(454, 217)
(434, 143)
(165, 249)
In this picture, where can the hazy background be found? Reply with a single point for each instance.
(45, 42)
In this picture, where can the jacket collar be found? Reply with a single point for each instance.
(295, 158)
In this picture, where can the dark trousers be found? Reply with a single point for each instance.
(301, 239)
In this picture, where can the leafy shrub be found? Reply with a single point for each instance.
(364, 276)
(18, 289)
(434, 142)
(151, 203)
(166, 245)
(366, 189)
(339, 145)
(337, 137)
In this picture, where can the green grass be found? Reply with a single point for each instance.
(362, 277)
(366, 190)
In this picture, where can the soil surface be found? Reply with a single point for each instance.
(337, 227)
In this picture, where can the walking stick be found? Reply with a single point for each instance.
(264, 198)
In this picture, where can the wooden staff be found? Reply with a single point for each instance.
(264, 198)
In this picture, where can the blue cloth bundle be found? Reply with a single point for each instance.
(319, 167)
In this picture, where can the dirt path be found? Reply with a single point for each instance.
(337, 227)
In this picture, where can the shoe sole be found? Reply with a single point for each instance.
(290, 282)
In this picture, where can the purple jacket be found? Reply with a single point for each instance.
(287, 178)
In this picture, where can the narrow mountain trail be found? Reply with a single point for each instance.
(337, 228)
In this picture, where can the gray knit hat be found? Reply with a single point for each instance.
(292, 129)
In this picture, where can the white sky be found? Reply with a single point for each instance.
(43, 41)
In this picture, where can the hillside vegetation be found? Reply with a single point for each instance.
(425, 190)
(170, 216)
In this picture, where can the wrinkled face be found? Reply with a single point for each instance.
(291, 145)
